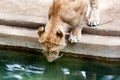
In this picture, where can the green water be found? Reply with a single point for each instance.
(21, 66)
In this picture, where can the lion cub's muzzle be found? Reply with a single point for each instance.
(52, 56)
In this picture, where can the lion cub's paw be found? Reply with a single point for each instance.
(74, 38)
(93, 22)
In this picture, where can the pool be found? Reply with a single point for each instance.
(17, 65)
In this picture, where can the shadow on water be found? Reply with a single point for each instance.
(21, 66)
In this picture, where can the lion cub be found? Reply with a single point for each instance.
(65, 16)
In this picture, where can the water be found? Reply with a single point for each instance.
(21, 66)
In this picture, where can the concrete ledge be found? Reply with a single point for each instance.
(19, 42)
(34, 22)
(102, 32)
(90, 45)
(21, 20)
(94, 45)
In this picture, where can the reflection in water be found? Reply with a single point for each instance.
(17, 71)
(65, 70)
(29, 69)
(90, 76)
(13, 76)
(33, 67)
(51, 72)
(14, 67)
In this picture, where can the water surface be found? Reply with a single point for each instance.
(26, 66)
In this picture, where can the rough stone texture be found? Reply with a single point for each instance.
(94, 45)
(33, 13)
(25, 7)
(22, 20)
(18, 31)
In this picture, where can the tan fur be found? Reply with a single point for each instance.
(64, 16)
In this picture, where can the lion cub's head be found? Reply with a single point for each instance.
(52, 40)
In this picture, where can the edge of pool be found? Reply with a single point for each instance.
(83, 49)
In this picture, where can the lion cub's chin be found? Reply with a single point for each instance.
(52, 56)
(52, 53)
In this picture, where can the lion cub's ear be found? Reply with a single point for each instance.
(41, 30)
(59, 33)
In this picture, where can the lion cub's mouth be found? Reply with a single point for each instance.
(52, 56)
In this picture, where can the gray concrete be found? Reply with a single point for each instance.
(90, 45)
(22, 20)
(34, 22)
(33, 13)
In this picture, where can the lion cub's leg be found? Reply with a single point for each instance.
(94, 18)
(75, 34)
